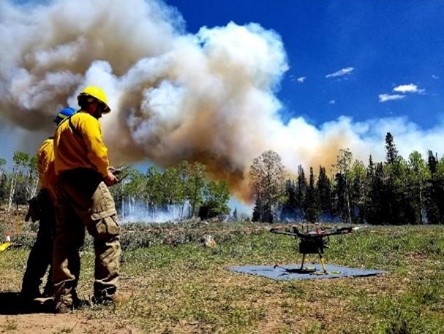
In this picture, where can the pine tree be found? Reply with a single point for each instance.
(391, 151)
(396, 183)
(311, 204)
(340, 201)
(377, 206)
(289, 206)
(324, 194)
(342, 167)
(301, 191)
(417, 175)
(358, 191)
(432, 190)
(370, 168)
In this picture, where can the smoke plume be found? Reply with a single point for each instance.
(207, 97)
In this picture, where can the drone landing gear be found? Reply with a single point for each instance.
(307, 270)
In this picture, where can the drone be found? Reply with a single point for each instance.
(312, 241)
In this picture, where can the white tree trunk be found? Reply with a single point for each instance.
(12, 190)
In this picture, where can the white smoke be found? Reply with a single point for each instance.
(207, 97)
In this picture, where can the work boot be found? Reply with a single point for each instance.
(107, 300)
(62, 308)
(63, 304)
(102, 300)
(79, 304)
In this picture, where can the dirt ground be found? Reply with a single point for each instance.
(40, 323)
(15, 317)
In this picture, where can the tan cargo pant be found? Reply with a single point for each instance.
(84, 201)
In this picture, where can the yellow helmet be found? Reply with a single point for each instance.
(98, 94)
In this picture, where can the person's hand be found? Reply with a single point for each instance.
(110, 179)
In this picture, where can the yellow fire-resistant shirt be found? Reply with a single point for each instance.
(78, 143)
(46, 168)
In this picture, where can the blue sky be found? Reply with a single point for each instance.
(391, 54)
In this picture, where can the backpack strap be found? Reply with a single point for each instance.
(73, 128)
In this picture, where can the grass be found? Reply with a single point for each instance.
(175, 285)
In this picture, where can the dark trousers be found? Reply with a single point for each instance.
(40, 257)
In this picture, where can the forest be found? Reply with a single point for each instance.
(396, 191)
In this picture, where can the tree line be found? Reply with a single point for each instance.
(184, 185)
(22, 183)
(392, 192)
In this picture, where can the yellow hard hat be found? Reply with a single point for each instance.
(98, 94)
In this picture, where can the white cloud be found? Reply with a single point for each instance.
(301, 79)
(434, 76)
(340, 73)
(409, 88)
(390, 97)
(404, 89)
(332, 102)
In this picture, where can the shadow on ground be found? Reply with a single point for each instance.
(12, 304)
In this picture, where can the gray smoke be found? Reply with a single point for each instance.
(207, 97)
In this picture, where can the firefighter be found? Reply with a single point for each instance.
(84, 202)
(41, 209)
